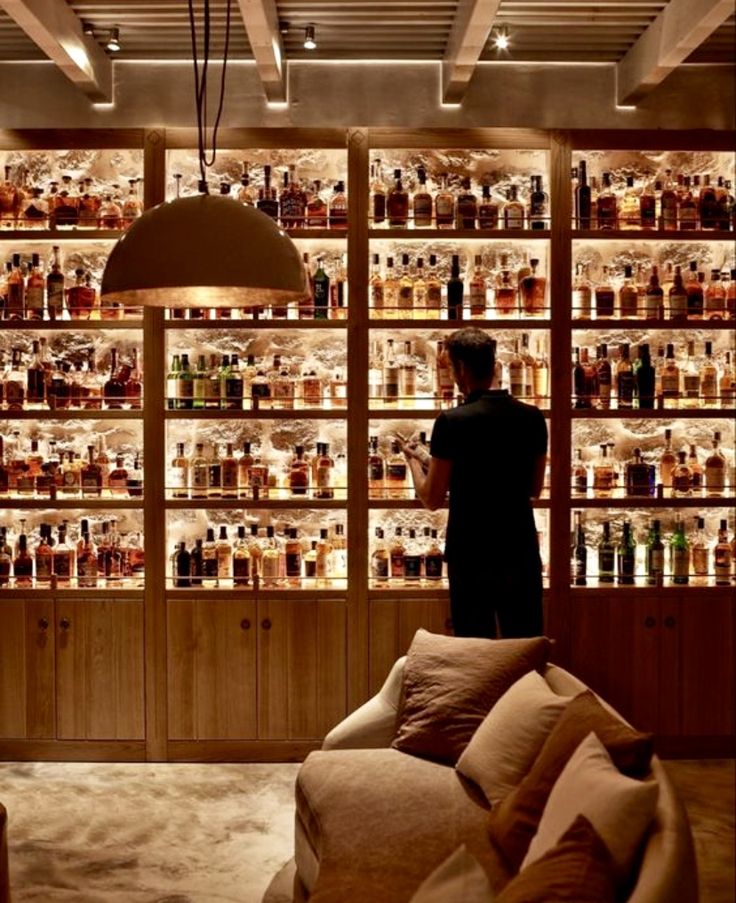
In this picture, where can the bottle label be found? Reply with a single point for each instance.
(34, 298)
(397, 564)
(375, 471)
(433, 567)
(715, 478)
(656, 563)
(691, 385)
(63, 565)
(379, 567)
(293, 564)
(681, 563)
(396, 472)
(377, 296)
(606, 563)
(412, 567)
(324, 477)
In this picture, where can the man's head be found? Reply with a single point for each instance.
(471, 352)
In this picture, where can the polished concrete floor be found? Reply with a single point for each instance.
(113, 833)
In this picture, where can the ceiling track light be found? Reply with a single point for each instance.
(310, 42)
(88, 29)
(113, 40)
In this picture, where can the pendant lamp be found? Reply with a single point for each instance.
(204, 251)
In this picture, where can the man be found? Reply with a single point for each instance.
(490, 452)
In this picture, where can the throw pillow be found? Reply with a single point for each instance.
(619, 808)
(513, 822)
(450, 685)
(509, 738)
(459, 879)
(579, 867)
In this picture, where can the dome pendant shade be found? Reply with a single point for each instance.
(204, 251)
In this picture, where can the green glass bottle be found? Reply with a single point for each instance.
(172, 383)
(680, 555)
(321, 283)
(655, 556)
(199, 383)
(606, 556)
(626, 557)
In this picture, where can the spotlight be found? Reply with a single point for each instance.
(113, 40)
(502, 39)
(284, 26)
(88, 28)
(309, 40)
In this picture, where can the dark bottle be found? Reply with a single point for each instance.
(321, 282)
(466, 207)
(233, 386)
(655, 556)
(241, 559)
(182, 563)
(626, 557)
(582, 198)
(196, 563)
(36, 378)
(209, 559)
(114, 389)
(579, 554)
(397, 203)
(694, 289)
(580, 383)
(55, 287)
(23, 563)
(708, 205)
(6, 558)
(645, 378)
(637, 476)
(537, 205)
(455, 289)
(606, 556)
(91, 476)
(267, 201)
(135, 479)
(412, 558)
(433, 559)
(487, 210)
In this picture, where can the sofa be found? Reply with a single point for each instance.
(373, 821)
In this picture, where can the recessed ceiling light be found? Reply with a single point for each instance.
(502, 39)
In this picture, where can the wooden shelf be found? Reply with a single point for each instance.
(101, 504)
(72, 414)
(255, 324)
(635, 501)
(651, 235)
(409, 234)
(417, 413)
(654, 414)
(252, 504)
(260, 414)
(263, 593)
(490, 323)
(636, 323)
(72, 325)
(60, 235)
(596, 589)
(400, 504)
(307, 233)
(111, 594)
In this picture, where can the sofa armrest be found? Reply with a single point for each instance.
(4, 875)
(372, 725)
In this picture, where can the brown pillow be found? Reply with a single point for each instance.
(450, 685)
(514, 821)
(579, 867)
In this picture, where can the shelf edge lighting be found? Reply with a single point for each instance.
(204, 251)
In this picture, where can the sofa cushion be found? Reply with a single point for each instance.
(459, 879)
(578, 869)
(509, 738)
(619, 808)
(513, 822)
(450, 685)
(380, 821)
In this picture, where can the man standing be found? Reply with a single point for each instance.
(490, 452)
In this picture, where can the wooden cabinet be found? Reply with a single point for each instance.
(270, 670)
(393, 623)
(71, 670)
(665, 662)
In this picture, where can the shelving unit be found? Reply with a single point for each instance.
(221, 673)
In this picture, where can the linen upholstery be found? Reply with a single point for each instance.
(4, 870)
(459, 879)
(450, 685)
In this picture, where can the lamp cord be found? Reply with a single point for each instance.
(200, 86)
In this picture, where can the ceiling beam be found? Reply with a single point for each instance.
(262, 25)
(681, 27)
(53, 26)
(465, 44)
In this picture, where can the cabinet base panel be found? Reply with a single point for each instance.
(241, 750)
(706, 747)
(72, 751)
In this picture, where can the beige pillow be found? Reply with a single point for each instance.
(620, 809)
(450, 685)
(459, 879)
(511, 735)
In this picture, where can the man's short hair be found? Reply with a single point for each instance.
(476, 350)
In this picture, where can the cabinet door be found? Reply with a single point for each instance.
(616, 651)
(705, 628)
(99, 670)
(27, 670)
(302, 668)
(212, 670)
(393, 624)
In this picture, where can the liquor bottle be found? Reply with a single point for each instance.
(579, 474)
(117, 480)
(466, 207)
(731, 292)
(667, 461)
(517, 373)
(6, 558)
(407, 378)
(376, 288)
(603, 474)
(317, 214)
(390, 291)
(722, 556)
(645, 378)
(629, 216)
(412, 559)
(625, 380)
(579, 387)
(270, 559)
(246, 193)
(132, 206)
(709, 378)
(172, 383)
(420, 290)
(422, 202)
(455, 290)
(513, 212)
(581, 293)
(229, 473)
(135, 478)
(91, 476)
(655, 556)
(15, 288)
(292, 201)
(478, 289)
(45, 558)
(488, 210)
(396, 473)
(209, 560)
(81, 297)
(231, 386)
(379, 558)
(433, 291)
(626, 557)
(378, 193)
(199, 473)
(113, 392)
(691, 378)
(707, 205)
(34, 291)
(23, 564)
(678, 298)
(505, 293)
(224, 556)
(696, 470)
(694, 289)
(648, 205)
(267, 200)
(607, 205)
(653, 298)
(321, 283)
(699, 550)
(628, 297)
(433, 559)
(671, 379)
(679, 555)
(715, 469)
(637, 476)
(444, 205)
(241, 559)
(396, 555)
(532, 291)
(64, 559)
(681, 477)
(299, 472)
(579, 554)
(397, 203)
(669, 204)
(181, 565)
(444, 378)
(606, 556)
(55, 287)
(339, 553)
(35, 394)
(538, 205)
(605, 297)
(714, 301)
(406, 290)
(727, 382)
(376, 469)
(582, 198)
(338, 207)
(293, 557)
(324, 469)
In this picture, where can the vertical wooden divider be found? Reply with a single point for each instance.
(154, 448)
(357, 355)
(558, 620)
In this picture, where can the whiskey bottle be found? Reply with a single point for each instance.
(6, 558)
(694, 289)
(709, 378)
(224, 554)
(714, 300)
(391, 291)
(246, 193)
(648, 205)
(478, 290)
(669, 204)
(655, 556)
(579, 554)
(582, 293)
(603, 474)
(196, 563)
(532, 291)
(433, 559)
(670, 379)
(455, 291)
(390, 375)
(44, 557)
(629, 217)
(625, 380)
(434, 290)
(583, 198)
(270, 560)
(538, 205)
(135, 478)
(579, 474)
(23, 564)
(722, 556)
(113, 392)
(444, 378)
(267, 200)
(299, 473)
(412, 559)
(378, 193)
(645, 378)
(691, 379)
(34, 291)
(321, 283)
(380, 558)
(420, 290)
(678, 298)
(604, 297)
(397, 203)
(324, 472)
(338, 208)
(199, 473)
(513, 211)
(637, 476)
(316, 207)
(376, 469)
(245, 462)
(64, 559)
(488, 210)
(293, 557)
(229, 473)
(681, 477)
(214, 476)
(91, 476)
(406, 289)
(679, 555)
(422, 202)
(667, 461)
(181, 564)
(241, 559)
(466, 207)
(396, 474)
(117, 481)
(339, 553)
(607, 205)
(626, 557)
(209, 560)
(696, 470)
(715, 469)
(376, 288)
(606, 556)
(292, 201)
(396, 556)
(628, 297)
(407, 378)
(699, 549)
(653, 298)
(444, 204)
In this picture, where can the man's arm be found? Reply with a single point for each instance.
(540, 464)
(431, 487)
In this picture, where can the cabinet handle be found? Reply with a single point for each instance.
(65, 623)
(669, 621)
(43, 623)
(266, 624)
(245, 624)
(649, 621)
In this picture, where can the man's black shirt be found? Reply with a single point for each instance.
(492, 441)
